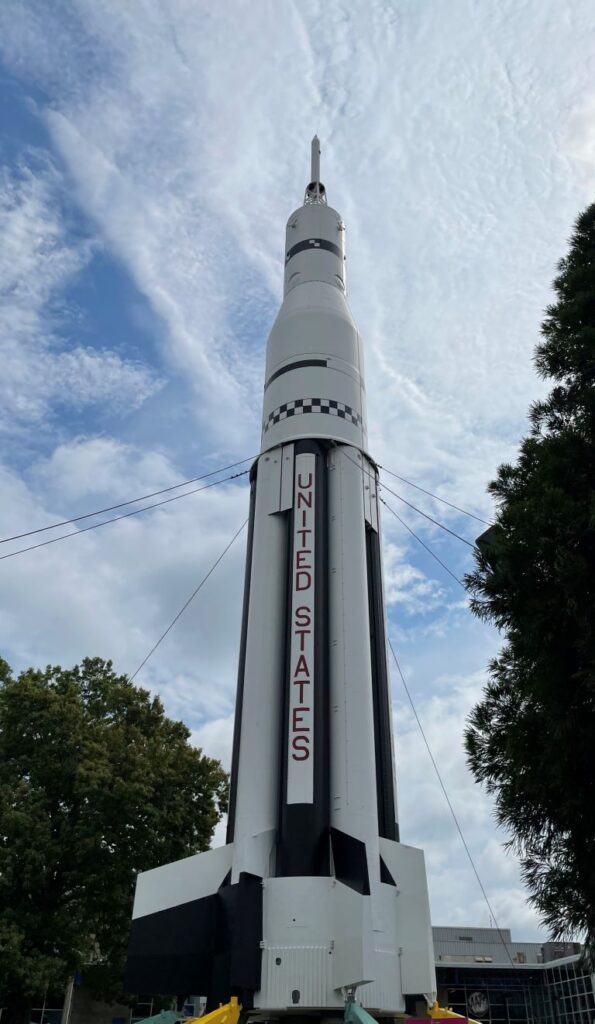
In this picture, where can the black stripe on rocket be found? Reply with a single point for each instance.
(303, 836)
(298, 364)
(385, 781)
(211, 945)
(312, 243)
(237, 725)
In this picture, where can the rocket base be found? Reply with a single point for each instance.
(290, 945)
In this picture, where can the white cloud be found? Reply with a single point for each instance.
(187, 144)
(93, 466)
(406, 587)
(581, 140)
(113, 591)
(426, 819)
(82, 377)
(216, 736)
(38, 259)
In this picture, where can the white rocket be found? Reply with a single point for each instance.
(313, 895)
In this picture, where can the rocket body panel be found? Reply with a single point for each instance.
(314, 376)
(353, 770)
(256, 784)
(314, 247)
(313, 893)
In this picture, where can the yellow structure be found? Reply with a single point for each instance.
(229, 1013)
(441, 1012)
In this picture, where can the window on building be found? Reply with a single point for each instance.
(48, 1009)
(142, 1008)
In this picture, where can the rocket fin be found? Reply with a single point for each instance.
(174, 921)
(195, 931)
(407, 867)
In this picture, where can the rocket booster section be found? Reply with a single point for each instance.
(314, 438)
(313, 892)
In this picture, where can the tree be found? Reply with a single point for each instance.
(531, 738)
(96, 783)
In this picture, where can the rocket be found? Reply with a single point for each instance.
(313, 896)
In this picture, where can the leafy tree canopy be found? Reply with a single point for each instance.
(531, 739)
(96, 784)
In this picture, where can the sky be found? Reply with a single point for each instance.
(151, 154)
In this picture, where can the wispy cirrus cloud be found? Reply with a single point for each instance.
(453, 235)
(406, 586)
(39, 257)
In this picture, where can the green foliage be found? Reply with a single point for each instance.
(531, 739)
(96, 784)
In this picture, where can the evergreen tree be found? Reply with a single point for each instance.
(95, 784)
(531, 738)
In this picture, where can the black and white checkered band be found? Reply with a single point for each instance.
(301, 405)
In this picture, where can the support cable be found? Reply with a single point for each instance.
(189, 601)
(123, 504)
(125, 515)
(426, 516)
(404, 500)
(436, 496)
(424, 545)
(450, 806)
(205, 476)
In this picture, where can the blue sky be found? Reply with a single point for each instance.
(151, 154)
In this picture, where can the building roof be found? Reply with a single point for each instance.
(468, 946)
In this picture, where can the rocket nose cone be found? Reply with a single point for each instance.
(315, 163)
(315, 192)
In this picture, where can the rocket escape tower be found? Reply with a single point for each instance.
(313, 896)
